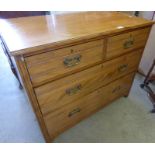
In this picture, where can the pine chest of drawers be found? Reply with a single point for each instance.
(72, 65)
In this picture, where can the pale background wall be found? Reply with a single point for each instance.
(149, 52)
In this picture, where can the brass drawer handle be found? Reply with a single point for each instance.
(129, 43)
(123, 67)
(73, 90)
(74, 112)
(72, 61)
(116, 89)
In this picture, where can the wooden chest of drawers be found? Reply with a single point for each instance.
(71, 68)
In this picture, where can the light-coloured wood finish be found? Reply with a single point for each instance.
(31, 34)
(30, 92)
(53, 95)
(51, 64)
(69, 115)
(116, 44)
(74, 64)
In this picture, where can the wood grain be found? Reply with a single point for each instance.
(50, 65)
(115, 44)
(60, 120)
(53, 95)
(30, 92)
(45, 47)
(30, 34)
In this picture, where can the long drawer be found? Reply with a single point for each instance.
(54, 64)
(53, 95)
(69, 115)
(122, 43)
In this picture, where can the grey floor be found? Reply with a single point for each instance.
(125, 120)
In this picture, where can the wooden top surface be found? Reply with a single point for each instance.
(29, 34)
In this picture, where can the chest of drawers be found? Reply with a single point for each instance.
(72, 65)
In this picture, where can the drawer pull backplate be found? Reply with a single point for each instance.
(129, 43)
(72, 61)
(123, 67)
(73, 90)
(74, 112)
(117, 89)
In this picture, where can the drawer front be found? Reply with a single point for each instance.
(53, 95)
(125, 42)
(54, 64)
(69, 115)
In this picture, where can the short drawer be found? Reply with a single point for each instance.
(68, 115)
(53, 95)
(54, 64)
(120, 44)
